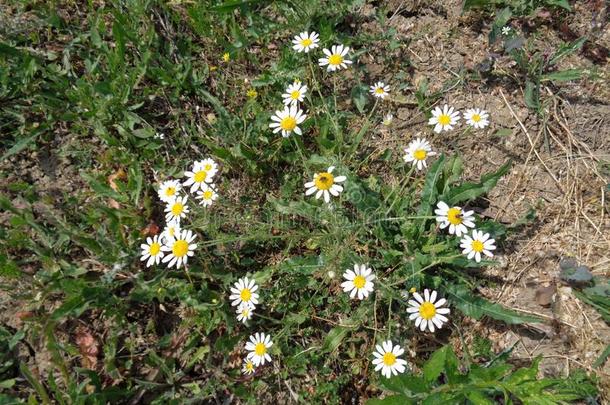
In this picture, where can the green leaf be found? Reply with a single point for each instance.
(38, 387)
(470, 191)
(502, 18)
(407, 384)
(334, 338)
(563, 75)
(360, 96)
(478, 307)
(20, 145)
(532, 95)
(391, 400)
(470, 4)
(435, 365)
(430, 190)
(503, 132)
(231, 5)
(566, 49)
(478, 398)
(602, 357)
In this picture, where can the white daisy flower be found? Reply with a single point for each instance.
(287, 121)
(380, 90)
(151, 250)
(180, 248)
(244, 292)
(476, 118)
(417, 152)
(386, 359)
(295, 93)
(445, 119)
(248, 367)
(168, 190)
(505, 31)
(427, 312)
(176, 209)
(257, 346)
(207, 194)
(172, 228)
(210, 166)
(335, 58)
(199, 175)
(457, 220)
(359, 281)
(477, 244)
(244, 312)
(325, 184)
(305, 42)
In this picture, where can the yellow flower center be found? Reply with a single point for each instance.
(245, 294)
(335, 59)
(207, 195)
(245, 312)
(288, 123)
(260, 349)
(427, 310)
(420, 154)
(170, 191)
(324, 181)
(295, 95)
(476, 117)
(207, 167)
(180, 248)
(454, 216)
(171, 231)
(200, 176)
(177, 208)
(359, 282)
(477, 246)
(252, 93)
(154, 248)
(379, 90)
(226, 57)
(249, 366)
(444, 119)
(389, 359)
(306, 42)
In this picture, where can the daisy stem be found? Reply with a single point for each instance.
(300, 150)
(363, 129)
(390, 318)
(401, 187)
(328, 113)
(434, 263)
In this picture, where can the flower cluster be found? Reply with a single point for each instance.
(175, 245)
(428, 311)
(444, 119)
(458, 221)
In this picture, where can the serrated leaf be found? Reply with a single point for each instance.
(470, 191)
(566, 49)
(360, 96)
(407, 384)
(435, 365)
(563, 75)
(334, 338)
(532, 95)
(478, 307)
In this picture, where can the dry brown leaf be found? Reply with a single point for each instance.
(151, 229)
(120, 175)
(88, 347)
